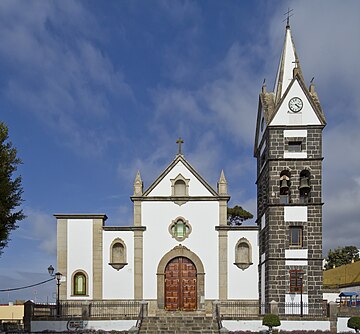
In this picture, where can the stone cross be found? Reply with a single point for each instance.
(179, 142)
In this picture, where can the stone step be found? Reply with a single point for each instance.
(179, 324)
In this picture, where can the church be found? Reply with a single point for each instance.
(180, 253)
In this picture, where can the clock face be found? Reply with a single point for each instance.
(295, 104)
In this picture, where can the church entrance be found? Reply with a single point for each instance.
(180, 285)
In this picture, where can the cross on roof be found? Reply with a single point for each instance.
(179, 142)
(288, 17)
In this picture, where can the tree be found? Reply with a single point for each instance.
(341, 256)
(10, 188)
(354, 323)
(271, 320)
(237, 215)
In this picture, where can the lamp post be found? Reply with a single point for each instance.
(58, 276)
(301, 294)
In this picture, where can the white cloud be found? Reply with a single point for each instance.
(57, 72)
(41, 228)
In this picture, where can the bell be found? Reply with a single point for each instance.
(284, 184)
(304, 183)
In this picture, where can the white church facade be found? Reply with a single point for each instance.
(180, 253)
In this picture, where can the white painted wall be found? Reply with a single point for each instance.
(295, 255)
(288, 63)
(79, 253)
(243, 284)
(196, 188)
(330, 296)
(262, 296)
(203, 216)
(118, 284)
(295, 133)
(289, 325)
(295, 214)
(261, 131)
(296, 299)
(295, 155)
(60, 326)
(306, 116)
(341, 325)
(263, 221)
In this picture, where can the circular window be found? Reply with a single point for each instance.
(180, 229)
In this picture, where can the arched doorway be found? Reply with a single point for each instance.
(181, 251)
(180, 285)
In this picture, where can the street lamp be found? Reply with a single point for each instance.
(58, 278)
(301, 294)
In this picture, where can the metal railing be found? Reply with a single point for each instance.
(303, 309)
(217, 316)
(252, 309)
(109, 309)
(142, 314)
(239, 309)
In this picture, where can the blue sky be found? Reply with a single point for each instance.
(92, 91)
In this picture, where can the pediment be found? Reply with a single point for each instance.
(308, 115)
(180, 169)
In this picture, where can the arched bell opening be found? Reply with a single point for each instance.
(284, 184)
(304, 187)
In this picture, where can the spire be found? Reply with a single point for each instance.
(289, 65)
(138, 185)
(222, 184)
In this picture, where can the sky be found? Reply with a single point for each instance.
(93, 91)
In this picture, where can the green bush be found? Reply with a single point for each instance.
(271, 320)
(354, 323)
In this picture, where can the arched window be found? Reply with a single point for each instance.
(304, 187)
(243, 254)
(118, 254)
(80, 284)
(180, 188)
(285, 187)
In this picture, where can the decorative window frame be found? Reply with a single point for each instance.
(73, 285)
(296, 276)
(118, 265)
(186, 181)
(248, 263)
(299, 245)
(188, 230)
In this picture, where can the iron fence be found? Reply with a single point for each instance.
(239, 309)
(89, 309)
(254, 309)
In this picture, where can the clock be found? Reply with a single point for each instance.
(295, 104)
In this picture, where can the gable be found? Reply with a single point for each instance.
(307, 115)
(180, 169)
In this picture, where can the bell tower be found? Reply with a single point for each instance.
(288, 149)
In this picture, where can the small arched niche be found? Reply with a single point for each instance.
(180, 188)
(118, 254)
(243, 254)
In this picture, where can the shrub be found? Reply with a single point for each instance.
(271, 320)
(354, 323)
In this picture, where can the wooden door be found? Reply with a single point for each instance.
(180, 285)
